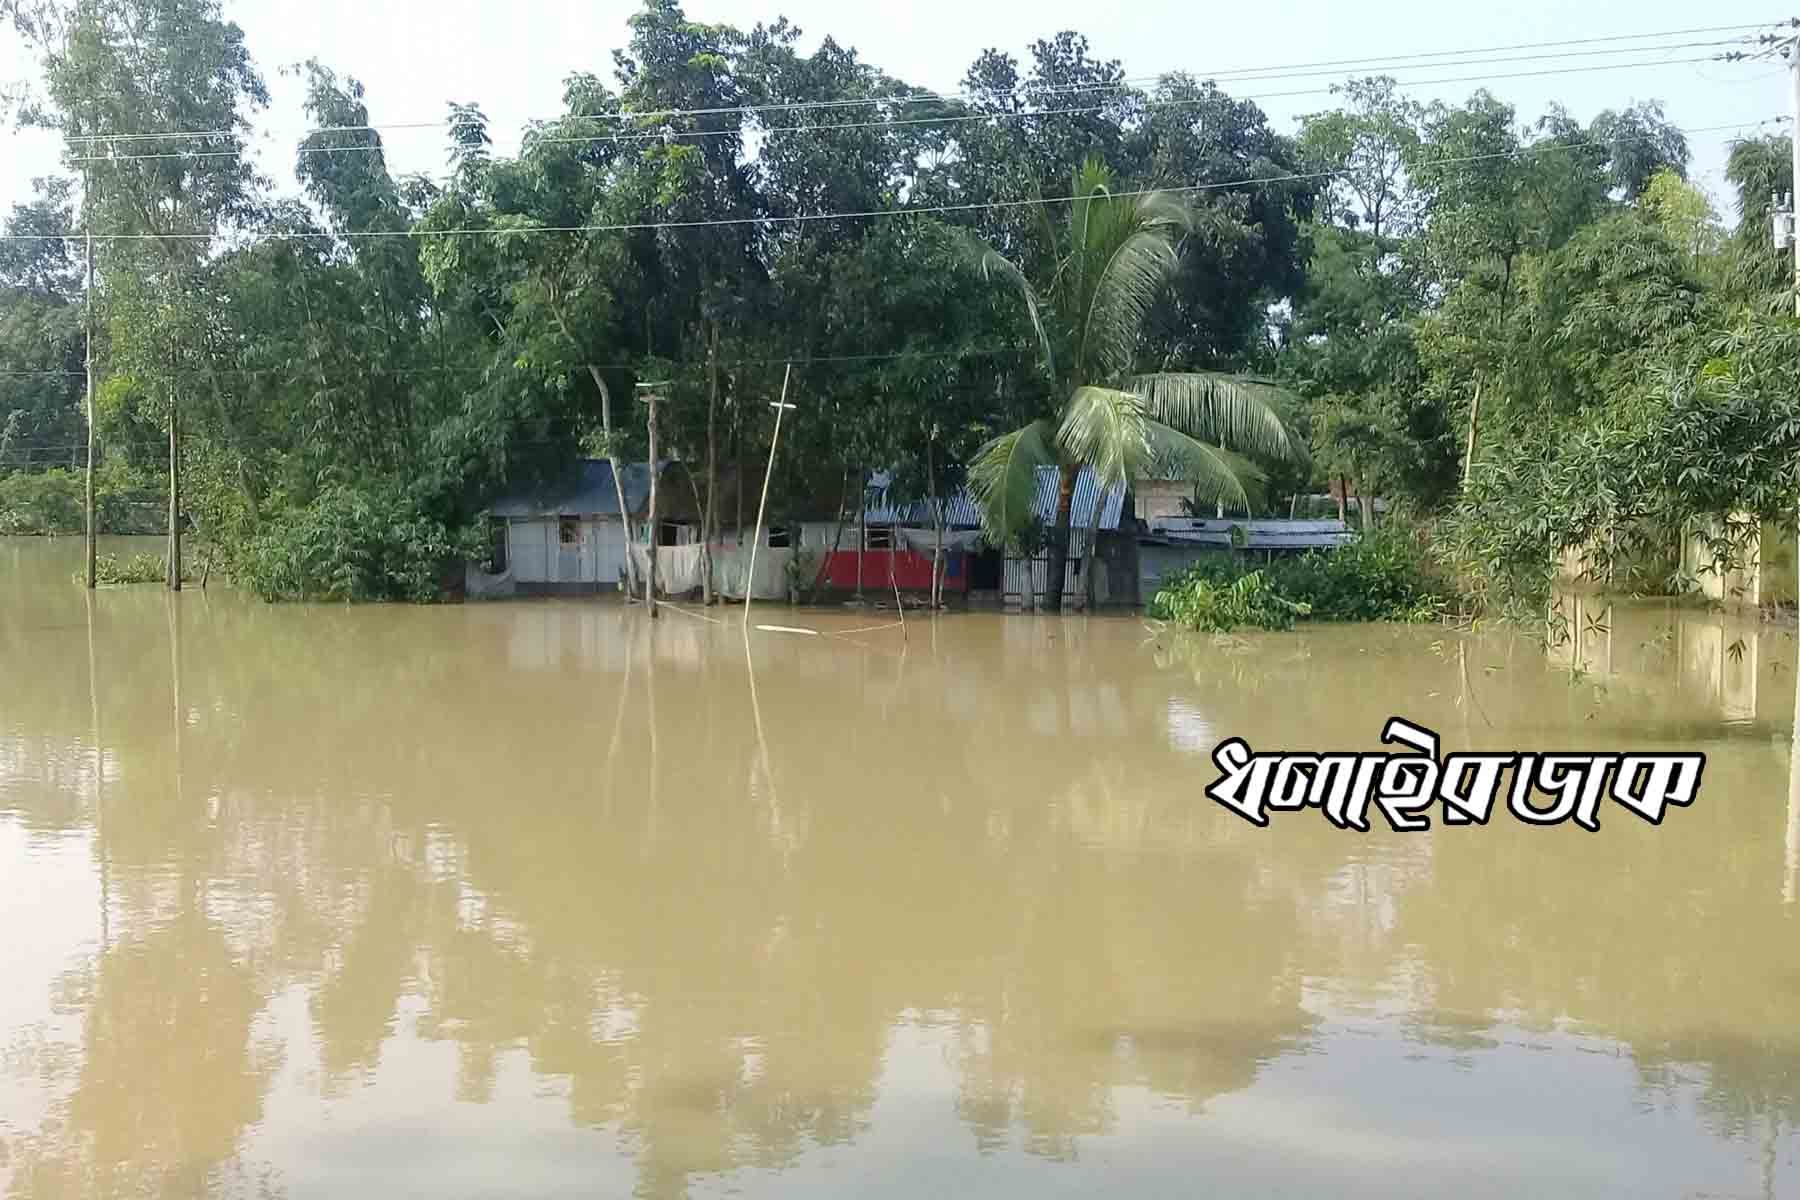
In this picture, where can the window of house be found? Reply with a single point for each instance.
(569, 531)
(881, 537)
(496, 546)
(671, 533)
(780, 537)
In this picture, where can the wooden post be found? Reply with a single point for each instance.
(762, 506)
(174, 580)
(862, 534)
(937, 517)
(650, 575)
(91, 531)
(712, 470)
(837, 538)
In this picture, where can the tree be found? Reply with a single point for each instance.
(154, 70)
(41, 340)
(1350, 346)
(1087, 292)
(1685, 216)
(1761, 169)
(1640, 144)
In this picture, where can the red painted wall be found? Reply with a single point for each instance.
(913, 571)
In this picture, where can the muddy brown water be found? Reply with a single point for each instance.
(532, 899)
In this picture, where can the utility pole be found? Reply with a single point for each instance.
(91, 541)
(1784, 224)
(649, 390)
(174, 491)
(762, 507)
(1794, 158)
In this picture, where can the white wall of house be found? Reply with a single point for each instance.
(566, 550)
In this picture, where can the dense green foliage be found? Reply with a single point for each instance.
(138, 568)
(53, 502)
(1384, 575)
(347, 377)
(1205, 600)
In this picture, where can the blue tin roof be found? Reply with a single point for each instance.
(588, 491)
(962, 510)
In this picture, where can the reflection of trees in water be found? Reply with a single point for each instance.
(724, 997)
(169, 1076)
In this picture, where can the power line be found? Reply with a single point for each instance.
(902, 122)
(804, 218)
(923, 96)
(305, 374)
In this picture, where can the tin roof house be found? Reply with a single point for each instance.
(567, 537)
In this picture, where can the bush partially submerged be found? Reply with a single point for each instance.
(138, 568)
(370, 542)
(1197, 600)
(1381, 576)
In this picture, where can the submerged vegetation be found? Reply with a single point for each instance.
(1382, 576)
(138, 568)
(1526, 336)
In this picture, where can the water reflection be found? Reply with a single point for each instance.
(478, 898)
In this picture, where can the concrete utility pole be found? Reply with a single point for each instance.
(1794, 158)
(1792, 846)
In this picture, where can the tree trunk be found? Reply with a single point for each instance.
(650, 575)
(712, 470)
(1059, 539)
(174, 579)
(1091, 555)
(612, 461)
(1343, 499)
(1474, 426)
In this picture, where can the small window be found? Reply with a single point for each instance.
(569, 530)
(881, 537)
(780, 537)
(671, 533)
(496, 546)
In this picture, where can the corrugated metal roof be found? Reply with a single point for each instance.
(589, 491)
(1087, 492)
(962, 510)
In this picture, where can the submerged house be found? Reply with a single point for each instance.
(567, 537)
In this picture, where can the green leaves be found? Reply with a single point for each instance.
(1003, 478)
(1230, 410)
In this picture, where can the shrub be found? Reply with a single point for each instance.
(139, 568)
(1197, 599)
(42, 502)
(1383, 575)
(368, 542)
(55, 502)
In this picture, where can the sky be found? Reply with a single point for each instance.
(415, 56)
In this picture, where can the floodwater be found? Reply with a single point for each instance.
(532, 899)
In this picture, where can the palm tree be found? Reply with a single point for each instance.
(1096, 286)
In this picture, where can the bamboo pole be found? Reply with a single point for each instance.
(92, 540)
(174, 579)
(709, 513)
(780, 407)
(650, 576)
